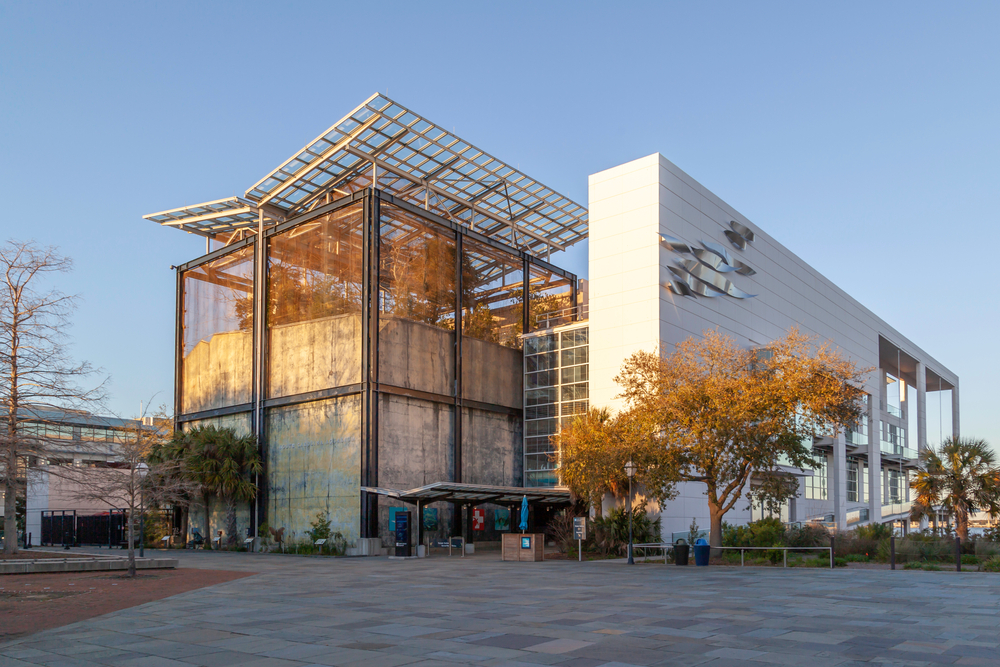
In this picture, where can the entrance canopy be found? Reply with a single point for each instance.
(475, 493)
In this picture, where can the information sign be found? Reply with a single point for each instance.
(526, 541)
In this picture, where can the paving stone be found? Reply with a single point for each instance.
(478, 611)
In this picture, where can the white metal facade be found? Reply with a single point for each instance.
(640, 213)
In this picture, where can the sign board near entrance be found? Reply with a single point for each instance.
(479, 519)
(579, 528)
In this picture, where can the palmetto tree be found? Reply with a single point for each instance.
(225, 465)
(962, 477)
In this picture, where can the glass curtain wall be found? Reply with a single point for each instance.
(550, 299)
(417, 290)
(492, 294)
(417, 272)
(217, 332)
(314, 280)
(556, 392)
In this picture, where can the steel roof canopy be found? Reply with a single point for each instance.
(410, 157)
(475, 493)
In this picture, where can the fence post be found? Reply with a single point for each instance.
(958, 553)
(892, 552)
(833, 549)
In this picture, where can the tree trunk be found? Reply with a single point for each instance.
(184, 526)
(10, 510)
(131, 542)
(208, 527)
(715, 525)
(232, 538)
(962, 527)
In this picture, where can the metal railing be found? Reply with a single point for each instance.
(666, 547)
(889, 447)
(562, 316)
(896, 508)
(892, 410)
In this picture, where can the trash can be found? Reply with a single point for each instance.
(681, 552)
(701, 552)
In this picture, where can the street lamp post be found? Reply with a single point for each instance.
(630, 472)
(141, 471)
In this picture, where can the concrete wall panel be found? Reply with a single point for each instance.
(492, 373)
(314, 355)
(216, 373)
(314, 464)
(416, 356)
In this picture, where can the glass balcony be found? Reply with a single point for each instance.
(857, 515)
(896, 507)
(894, 411)
(893, 449)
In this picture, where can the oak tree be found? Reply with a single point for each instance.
(731, 417)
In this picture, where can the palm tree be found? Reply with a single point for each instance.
(224, 464)
(962, 477)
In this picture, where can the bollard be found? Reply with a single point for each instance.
(958, 554)
(892, 552)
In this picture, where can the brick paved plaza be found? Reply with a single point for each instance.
(478, 611)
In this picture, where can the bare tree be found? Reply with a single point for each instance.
(34, 363)
(134, 481)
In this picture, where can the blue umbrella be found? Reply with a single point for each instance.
(524, 514)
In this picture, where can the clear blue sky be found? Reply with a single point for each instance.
(864, 136)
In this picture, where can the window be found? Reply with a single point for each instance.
(574, 374)
(574, 338)
(895, 487)
(540, 396)
(864, 483)
(541, 362)
(577, 355)
(852, 480)
(816, 486)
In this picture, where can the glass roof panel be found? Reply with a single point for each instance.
(417, 161)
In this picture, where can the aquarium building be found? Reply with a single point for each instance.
(383, 310)
(361, 309)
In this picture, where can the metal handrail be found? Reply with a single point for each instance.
(664, 546)
(783, 555)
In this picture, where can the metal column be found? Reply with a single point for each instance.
(369, 355)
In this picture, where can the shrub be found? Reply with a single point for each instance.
(969, 559)
(924, 548)
(991, 564)
(320, 527)
(986, 549)
(911, 566)
(850, 543)
(992, 534)
(840, 562)
(857, 558)
(874, 531)
(931, 567)
(560, 529)
(611, 532)
(807, 535)
(762, 533)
